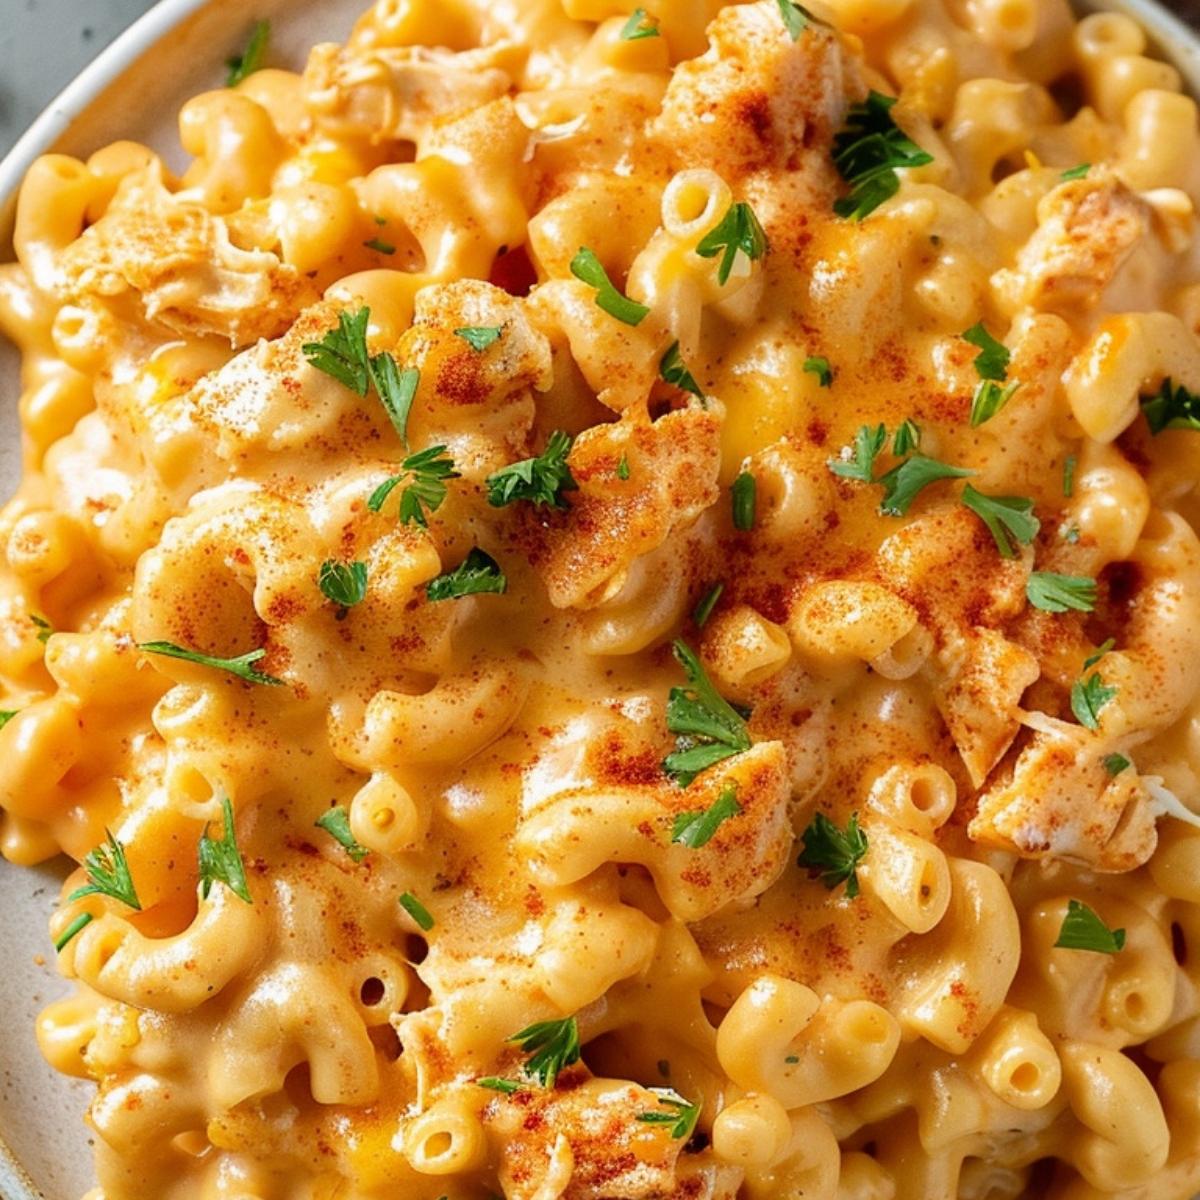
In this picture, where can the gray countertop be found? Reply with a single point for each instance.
(44, 44)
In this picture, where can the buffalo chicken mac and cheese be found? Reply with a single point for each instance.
(608, 601)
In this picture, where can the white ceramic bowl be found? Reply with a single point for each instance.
(133, 90)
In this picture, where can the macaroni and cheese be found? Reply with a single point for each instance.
(608, 601)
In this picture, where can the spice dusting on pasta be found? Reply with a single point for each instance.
(607, 599)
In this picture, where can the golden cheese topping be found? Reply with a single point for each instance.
(607, 600)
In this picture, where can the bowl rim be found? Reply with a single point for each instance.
(1173, 38)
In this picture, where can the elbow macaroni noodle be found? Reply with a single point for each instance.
(835, 964)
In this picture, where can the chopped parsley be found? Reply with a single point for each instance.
(221, 862)
(1058, 593)
(904, 482)
(1009, 519)
(480, 337)
(552, 1046)
(908, 437)
(380, 246)
(242, 666)
(818, 365)
(77, 926)
(417, 911)
(242, 66)
(640, 25)
(832, 854)
(479, 572)
(745, 501)
(6, 715)
(541, 480)
(707, 603)
(623, 467)
(588, 268)
(868, 152)
(343, 355)
(796, 18)
(108, 875)
(672, 370)
(44, 628)
(426, 473)
(696, 829)
(495, 1084)
(1173, 406)
(1068, 482)
(989, 398)
(1079, 172)
(1088, 698)
(994, 356)
(737, 232)
(1114, 764)
(1082, 929)
(868, 445)
(682, 1119)
(336, 822)
(1097, 654)
(344, 583)
(707, 728)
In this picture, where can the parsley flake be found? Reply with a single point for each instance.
(1097, 654)
(44, 628)
(796, 18)
(707, 603)
(832, 854)
(480, 337)
(342, 353)
(495, 1084)
(221, 862)
(868, 445)
(989, 398)
(1114, 764)
(682, 1120)
(108, 875)
(397, 389)
(1058, 593)
(869, 152)
(380, 246)
(588, 268)
(903, 483)
(671, 370)
(1173, 406)
(478, 573)
(707, 728)
(640, 25)
(1079, 172)
(336, 822)
(1088, 697)
(1082, 929)
(908, 437)
(552, 1045)
(745, 501)
(623, 467)
(77, 926)
(242, 66)
(541, 480)
(1008, 518)
(426, 472)
(242, 666)
(1068, 480)
(994, 356)
(696, 829)
(343, 583)
(818, 365)
(737, 232)
(417, 911)
(6, 715)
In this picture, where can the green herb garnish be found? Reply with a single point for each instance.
(221, 862)
(380, 246)
(819, 366)
(682, 1120)
(587, 267)
(108, 875)
(478, 573)
(541, 480)
(426, 473)
(672, 370)
(908, 437)
(344, 583)
(697, 829)
(553, 1046)
(737, 232)
(1088, 697)
(242, 666)
(1009, 518)
(745, 501)
(417, 911)
(480, 337)
(336, 823)
(868, 445)
(832, 854)
(1114, 764)
(640, 25)
(77, 926)
(1082, 929)
(495, 1084)
(868, 153)
(1058, 593)
(243, 65)
(1078, 172)
(903, 483)
(707, 728)
(796, 18)
(1172, 407)
(707, 603)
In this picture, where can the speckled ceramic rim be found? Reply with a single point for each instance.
(1176, 42)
